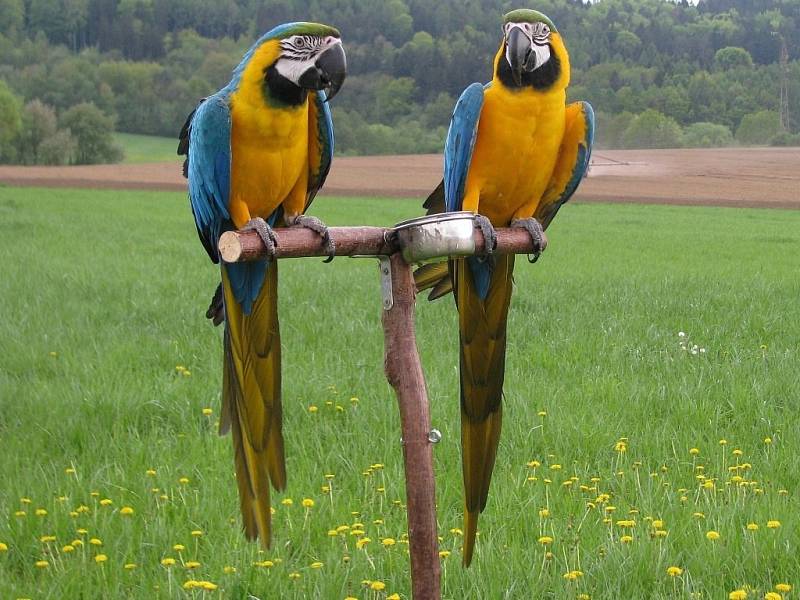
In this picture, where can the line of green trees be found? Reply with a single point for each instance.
(659, 73)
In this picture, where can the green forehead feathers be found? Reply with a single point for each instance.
(315, 29)
(525, 15)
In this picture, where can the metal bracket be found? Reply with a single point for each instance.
(386, 282)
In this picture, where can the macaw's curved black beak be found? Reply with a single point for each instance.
(518, 51)
(328, 72)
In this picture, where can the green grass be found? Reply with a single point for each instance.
(147, 148)
(103, 295)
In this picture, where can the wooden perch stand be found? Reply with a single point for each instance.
(401, 358)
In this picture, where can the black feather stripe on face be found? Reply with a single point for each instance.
(300, 47)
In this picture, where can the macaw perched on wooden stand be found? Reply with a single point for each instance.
(257, 152)
(515, 153)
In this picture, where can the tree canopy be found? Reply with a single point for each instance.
(145, 63)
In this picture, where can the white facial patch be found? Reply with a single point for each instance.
(300, 52)
(538, 35)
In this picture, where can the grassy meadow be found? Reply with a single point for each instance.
(147, 148)
(635, 462)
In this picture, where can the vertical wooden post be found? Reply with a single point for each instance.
(404, 372)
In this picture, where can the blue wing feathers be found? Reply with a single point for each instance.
(209, 191)
(460, 144)
(458, 151)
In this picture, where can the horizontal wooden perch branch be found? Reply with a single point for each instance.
(298, 242)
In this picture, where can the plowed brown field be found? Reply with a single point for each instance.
(756, 177)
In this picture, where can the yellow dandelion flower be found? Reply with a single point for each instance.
(20, 513)
(362, 542)
(533, 464)
(738, 595)
(190, 584)
(712, 535)
(584, 597)
(95, 541)
(621, 447)
(82, 509)
(444, 553)
(266, 564)
(73, 514)
(41, 564)
(197, 533)
(660, 533)
(313, 408)
(208, 586)
(126, 511)
(394, 596)
(783, 492)
(308, 503)
(573, 575)
(179, 547)
(357, 532)
(3, 547)
(723, 442)
(325, 489)
(626, 524)
(129, 566)
(626, 539)
(674, 571)
(100, 558)
(183, 480)
(228, 570)
(698, 515)
(167, 562)
(783, 588)
(388, 542)
(768, 440)
(317, 565)
(773, 524)
(192, 564)
(294, 575)
(752, 527)
(333, 532)
(353, 400)
(150, 472)
(378, 586)
(658, 524)
(694, 451)
(772, 596)
(40, 512)
(544, 513)
(106, 502)
(287, 501)
(545, 540)
(25, 500)
(610, 509)
(69, 471)
(76, 543)
(207, 412)
(456, 531)
(343, 528)
(555, 467)
(47, 538)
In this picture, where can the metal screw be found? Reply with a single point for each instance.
(434, 436)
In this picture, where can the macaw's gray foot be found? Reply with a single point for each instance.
(216, 310)
(534, 229)
(266, 234)
(489, 235)
(314, 224)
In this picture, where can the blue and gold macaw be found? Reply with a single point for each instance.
(257, 152)
(515, 153)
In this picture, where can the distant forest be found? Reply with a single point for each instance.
(659, 73)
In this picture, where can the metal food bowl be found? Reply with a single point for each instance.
(434, 238)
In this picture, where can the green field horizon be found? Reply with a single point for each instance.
(625, 444)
